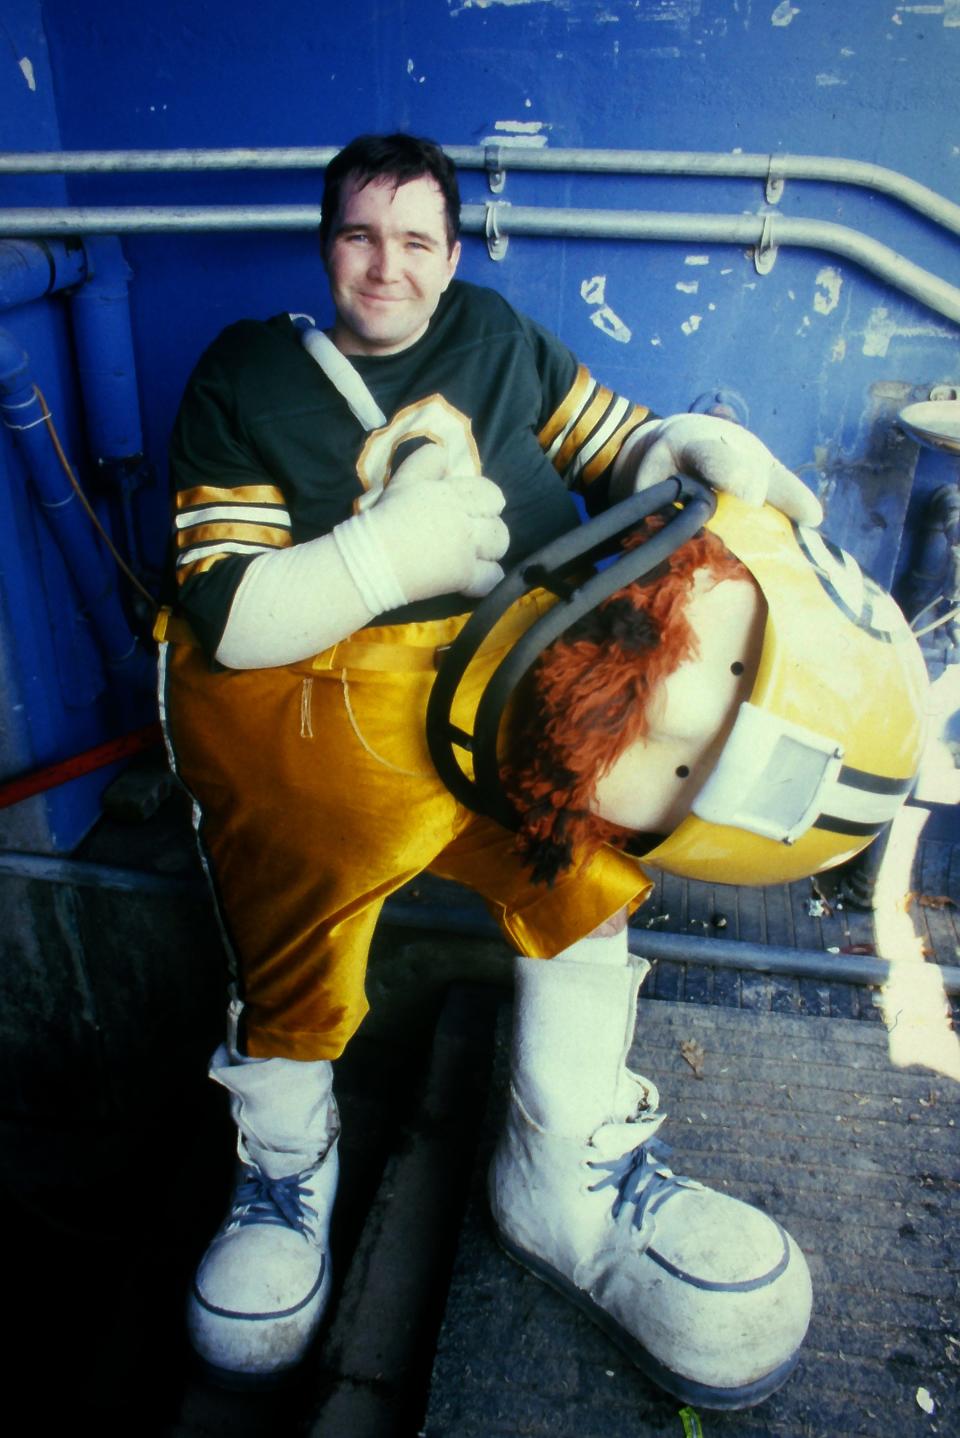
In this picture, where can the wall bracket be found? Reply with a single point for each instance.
(494, 166)
(775, 182)
(497, 243)
(765, 251)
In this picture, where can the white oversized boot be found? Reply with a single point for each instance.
(710, 1297)
(263, 1284)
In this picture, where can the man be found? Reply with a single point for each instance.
(341, 500)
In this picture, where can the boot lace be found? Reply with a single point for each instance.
(642, 1182)
(274, 1200)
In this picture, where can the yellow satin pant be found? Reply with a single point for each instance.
(316, 798)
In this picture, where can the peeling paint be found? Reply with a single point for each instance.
(455, 9)
(594, 290)
(656, 341)
(827, 294)
(838, 352)
(881, 328)
(519, 127)
(691, 325)
(784, 13)
(26, 65)
(950, 11)
(528, 133)
(711, 306)
(826, 78)
(611, 324)
(696, 259)
(687, 287)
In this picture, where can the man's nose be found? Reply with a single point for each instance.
(386, 263)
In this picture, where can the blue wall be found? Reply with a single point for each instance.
(823, 354)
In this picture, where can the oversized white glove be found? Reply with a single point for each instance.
(722, 454)
(427, 534)
(440, 533)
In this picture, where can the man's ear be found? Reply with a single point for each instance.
(452, 262)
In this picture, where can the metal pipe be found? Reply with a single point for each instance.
(465, 920)
(112, 162)
(156, 219)
(770, 168)
(685, 948)
(765, 232)
(64, 771)
(48, 869)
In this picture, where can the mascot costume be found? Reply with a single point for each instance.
(735, 701)
(724, 694)
(707, 685)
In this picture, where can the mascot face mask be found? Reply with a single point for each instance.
(748, 710)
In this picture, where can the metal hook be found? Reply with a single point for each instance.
(493, 164)
(496, 242)
(765, 251)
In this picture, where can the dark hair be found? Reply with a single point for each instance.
(398, 157)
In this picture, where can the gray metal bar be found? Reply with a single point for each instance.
(685, 948)
(775, 230)
(106, 162)
(870, 254)
(828, 168)
(772, 959)
(463, 918)
(155, 219)
(80, 874)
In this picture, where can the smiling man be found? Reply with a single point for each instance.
(390, 255)
(342, 501)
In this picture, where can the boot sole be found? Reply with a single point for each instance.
(697, 1394)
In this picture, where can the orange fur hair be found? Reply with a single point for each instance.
(591, 694)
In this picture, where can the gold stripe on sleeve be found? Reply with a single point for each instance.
(608, 453)
(243, 494)
(274, 535)
(583, 428)
(567, 407)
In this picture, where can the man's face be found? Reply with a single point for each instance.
(388, 262)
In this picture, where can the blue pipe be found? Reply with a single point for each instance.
(30, 269)
(100, 311)
(23, 415)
